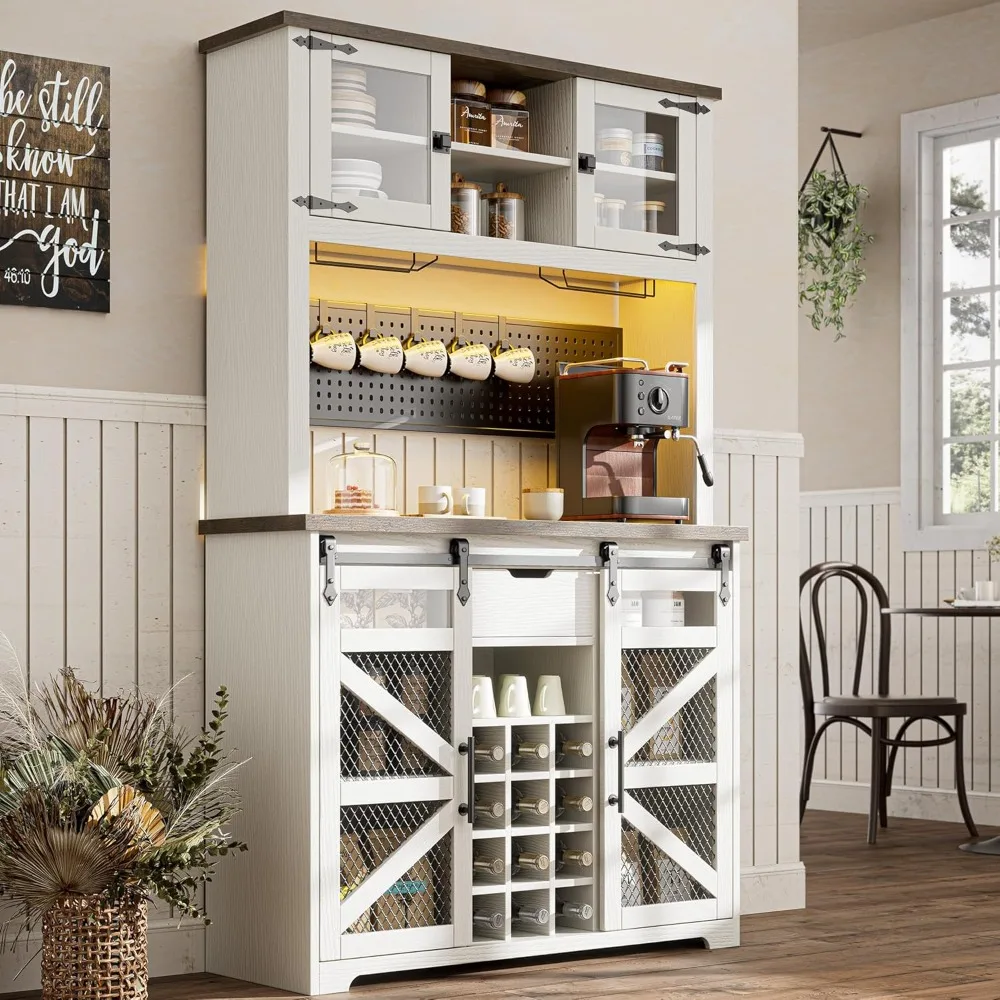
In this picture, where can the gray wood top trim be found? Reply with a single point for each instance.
(554, 69)
(342, 524)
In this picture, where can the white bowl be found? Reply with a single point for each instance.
(352, 99)
(348, 78)
(347, 118)
(355, 174)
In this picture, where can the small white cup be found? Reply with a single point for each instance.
(986, 590)
(516, 364)
(337, 351)
(471, 500)
(514, 700)
(471, 361)
(549, 696)
(434, 499)
(426, 357)
(484, 705)
(382, 354)
(541, 504)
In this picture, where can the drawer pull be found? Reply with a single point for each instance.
(530, 574)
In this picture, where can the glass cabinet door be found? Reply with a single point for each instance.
(642, 196)
(374, 111)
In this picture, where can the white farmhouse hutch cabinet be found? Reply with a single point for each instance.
(389, 829)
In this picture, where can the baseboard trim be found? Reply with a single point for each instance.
(939, 804)
(767, 888)
(742, 442)
(175, 949)
(100, 404)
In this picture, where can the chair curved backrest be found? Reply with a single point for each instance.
(820, 575)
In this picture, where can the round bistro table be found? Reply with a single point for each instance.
(992, 844)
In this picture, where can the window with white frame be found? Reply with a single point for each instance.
(950, 314)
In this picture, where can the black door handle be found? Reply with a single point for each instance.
(618, 742)
(468, 749)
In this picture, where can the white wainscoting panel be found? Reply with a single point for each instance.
(100, 496)
(929, 657)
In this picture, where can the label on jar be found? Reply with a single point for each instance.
(647, 149)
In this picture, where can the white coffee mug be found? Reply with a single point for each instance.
(426, 357)
(549, 696)
(381, 354)
(966, 594)
(434, 499)
(514, 700)
(986, 590)
(541, 504)
(471, 500)
(516, 364)
(337, 351)
(471, 361)
(484, 705)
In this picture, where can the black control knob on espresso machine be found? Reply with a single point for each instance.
(658, 400)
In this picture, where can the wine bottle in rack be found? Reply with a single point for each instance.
(528, 806)
(531, 749)
(576, 802)
(573, 856)
(489, 810)
(535, 915)
(576, 748)
(483, 864)
(488, 920)
(523, 859)
(490, 753)
(569, 908)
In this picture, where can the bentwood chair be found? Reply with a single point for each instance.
(871, 713)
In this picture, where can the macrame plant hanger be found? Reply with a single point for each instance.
(838, 164)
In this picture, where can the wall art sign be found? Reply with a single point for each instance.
(55, 180)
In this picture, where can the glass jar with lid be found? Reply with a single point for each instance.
(647, 216)
(509, 118)
(505, 214)
(362, 482)
(470, 113)
(465, 212)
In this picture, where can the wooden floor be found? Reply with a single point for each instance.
(913, 917)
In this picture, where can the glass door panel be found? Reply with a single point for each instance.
(372, 156)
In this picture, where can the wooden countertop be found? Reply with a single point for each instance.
(464, 526)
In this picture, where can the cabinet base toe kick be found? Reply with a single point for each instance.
(338, 976)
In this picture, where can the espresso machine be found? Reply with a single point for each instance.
(610, 418)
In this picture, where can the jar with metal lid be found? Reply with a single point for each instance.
(505, 214)
(647, 150)
(647, 216)
(509, 119)
(470, 113)
(614, 145)
(613, 213)
(465, 198)
(362, 482)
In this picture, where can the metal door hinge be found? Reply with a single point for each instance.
(315, 204)
(609, 556)
(722, 560)
(327, 559)
(460, 558)
(586, 163)
(694, 249)
(692, 107)
(315, 42)
(441, 142)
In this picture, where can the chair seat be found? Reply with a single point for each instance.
(889, 707)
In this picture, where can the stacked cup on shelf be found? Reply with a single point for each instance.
(353, 108)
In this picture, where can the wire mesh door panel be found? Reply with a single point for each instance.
(397, 814)
(669, 819)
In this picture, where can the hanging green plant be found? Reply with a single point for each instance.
(832, 244)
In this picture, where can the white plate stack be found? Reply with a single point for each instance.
(350, 103)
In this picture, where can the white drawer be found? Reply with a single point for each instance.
(560, 604)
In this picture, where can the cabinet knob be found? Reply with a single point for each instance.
(612, 800)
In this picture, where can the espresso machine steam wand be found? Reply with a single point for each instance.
(706, 472)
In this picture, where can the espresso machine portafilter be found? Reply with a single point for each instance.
(609, 421)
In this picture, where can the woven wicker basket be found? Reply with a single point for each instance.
(92, 951)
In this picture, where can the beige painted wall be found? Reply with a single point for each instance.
(849, 391)
(153, 339)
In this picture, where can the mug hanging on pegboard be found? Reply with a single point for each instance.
(364, 398)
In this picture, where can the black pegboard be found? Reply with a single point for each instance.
(368, 399)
